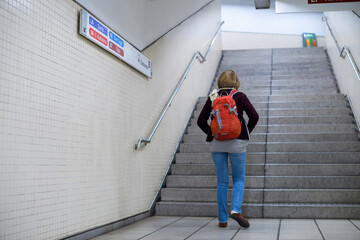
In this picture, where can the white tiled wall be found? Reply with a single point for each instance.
(346, 29)
(71, 113)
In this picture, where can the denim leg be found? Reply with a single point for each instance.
(222, 172)
(238, 161)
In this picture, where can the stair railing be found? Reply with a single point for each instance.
(356, 69)
(344, 51)
(202, 59)
(352, 110)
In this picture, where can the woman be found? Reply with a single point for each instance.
(234, 149)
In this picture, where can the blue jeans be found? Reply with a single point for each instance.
(238, 175)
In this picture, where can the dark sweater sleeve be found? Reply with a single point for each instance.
(202, 121)
(251, 112)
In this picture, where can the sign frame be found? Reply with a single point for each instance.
(97, 32)
(330, 1)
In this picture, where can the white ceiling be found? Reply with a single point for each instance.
(291, 6)
(245, 18)
(141, 22)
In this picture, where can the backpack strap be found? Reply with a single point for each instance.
(213, 95)
(233, 92)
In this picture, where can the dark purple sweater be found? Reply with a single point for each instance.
(242, 104)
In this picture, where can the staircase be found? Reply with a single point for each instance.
(304, 157)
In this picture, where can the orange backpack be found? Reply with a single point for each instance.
(225, 124)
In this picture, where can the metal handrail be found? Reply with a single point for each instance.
(201, 59)
(352, 110)
(343, 50)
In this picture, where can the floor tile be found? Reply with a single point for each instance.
(356, 222)
(260, 229)
(212, 231)
(171, 233)
(180, 229)
(139, 229)
(303, 229)
(197, 228)
(338, 229)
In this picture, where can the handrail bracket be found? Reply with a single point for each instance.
(344, 51)
(202, 59)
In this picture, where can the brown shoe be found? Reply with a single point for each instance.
(240, 220)
(223, 225)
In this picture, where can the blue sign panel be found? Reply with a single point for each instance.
(101, 35)
(116, 39)
(98, 26)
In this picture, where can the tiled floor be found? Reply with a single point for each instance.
(171, 228)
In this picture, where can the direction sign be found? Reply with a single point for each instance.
(94, 30)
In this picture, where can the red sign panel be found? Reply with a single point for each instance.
(330, 1)
(98, 36)
(115, 48)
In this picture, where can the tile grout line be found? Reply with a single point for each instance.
(199, 228)
(271, 70)
(354, 224)
(267, 132)
(317, 225)
(160, 228)
(235, 233)
(278, 234)
(265, 157)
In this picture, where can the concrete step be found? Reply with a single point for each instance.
(307, 97)
(282, 157)
(312, 137)
(301, 68)
(343, 111)
(313, 147)
(290, 65)
(311, 87)
(205, 158)
(165, 208)
(297, 169)
(269, 182)
(326, 82)
(200, 138)
(252, 169)
(315, 128)
(290, 98)
(305, 210)
(283, 111)
(273, 169)
(312, 157)
(286, 137)
(304, 75)
(335, 196)
(258, 60)
(289, 120)
(257, 210)
(304, 91)
(205, 147)
(297, 105)
(194, 181)
(309, 120)
(283, 60)
(292, 128)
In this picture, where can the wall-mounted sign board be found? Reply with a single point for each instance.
(295, 6)
(309, 40)
(97, 32)
(330, 1)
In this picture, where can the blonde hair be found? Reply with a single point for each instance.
(228, 79)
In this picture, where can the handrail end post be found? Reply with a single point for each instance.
(139, 143)
(343, 50)
(201, 57)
